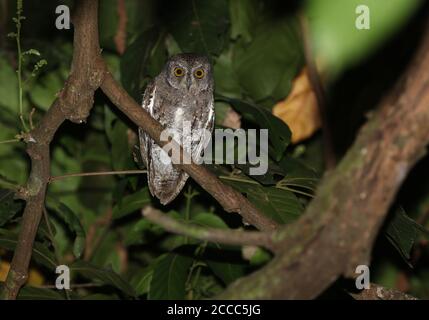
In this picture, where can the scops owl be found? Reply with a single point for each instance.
(180, 95)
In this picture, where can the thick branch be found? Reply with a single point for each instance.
(232, 237)
(339, 227)
(230, 199)
(74, 102)
(377, 292)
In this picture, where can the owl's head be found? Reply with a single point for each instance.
(189, 72)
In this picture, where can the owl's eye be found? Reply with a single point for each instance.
(179, 72)
(199, 73)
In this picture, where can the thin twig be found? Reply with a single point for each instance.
(316, 83)
(232, 237)
(72, 286)
(9, 141)
(91, 174)
(18, 23)
(30, 118)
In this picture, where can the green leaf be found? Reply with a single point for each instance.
(141, 281)
(143, 230)
(403, 232)
(109, 120)
(73, 222)
(218, 257)
(136, 233)
(336, 40)
(169, 277)
(297, 177)
(269, 178)
(140, 15)
(45, 90)
(198, 26)
(225, 262)
(121, 151)
(32, 293)
(244, 14)
(105, 276)
(281, 205)
(226, 80)
(7, 183)
(31, 52)
(211, 220)
(41, 253)
(260, 257)
(108, 23)
(131, 203)
(14, 161)
(8, 86)
(101, 296)
(266, 66)
(279, 133)
(141, 62)
(9, 207)
(107, 255)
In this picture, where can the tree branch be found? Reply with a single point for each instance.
(377, 292)
(232, 237)
(74, 103)
(230, 199)
(339, 227)
(97, 173)
(341, 223)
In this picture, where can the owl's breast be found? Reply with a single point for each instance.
(180, 115)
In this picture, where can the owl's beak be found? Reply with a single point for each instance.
(188, 83)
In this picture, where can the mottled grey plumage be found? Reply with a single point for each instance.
(172, 98)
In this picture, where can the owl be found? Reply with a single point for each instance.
(181, 95)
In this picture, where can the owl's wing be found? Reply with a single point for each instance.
(206, 122)
(164, 181)
(147, 105)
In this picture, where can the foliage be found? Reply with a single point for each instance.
(94, 224)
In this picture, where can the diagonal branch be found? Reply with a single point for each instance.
(340, 225)
(232, 237)
(74, 102)
(230, 199)
(377, 292)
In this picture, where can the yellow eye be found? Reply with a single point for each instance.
(178, 72)
(199, 73)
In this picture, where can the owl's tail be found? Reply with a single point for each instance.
(165, 181)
